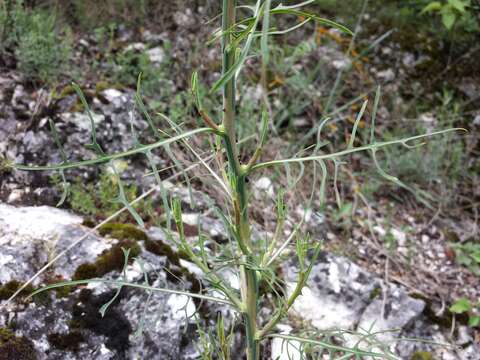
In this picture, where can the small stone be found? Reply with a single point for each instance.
(190, 219)
(15, 195)
(111, 94)
(464, 335)
(380, 230)
(408, 60)
(81, 120)
(138, 46)
(476, 120)
(386, 50)
(301, 122)
(184, 19)
(341, 64)
(286, 350)
(386, 75)
(264, 184)
(156, 55)
(399, 236)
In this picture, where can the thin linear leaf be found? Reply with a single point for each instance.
(107, 158)
(243, 54)
(104, 307)
(133, 285)
(282, 10)
(94, 145)
(353, 150)
(330, 346)
(63, 155)
(355, 125)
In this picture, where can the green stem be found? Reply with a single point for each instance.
(248, 276)
(228, 20)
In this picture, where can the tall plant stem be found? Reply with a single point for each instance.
(248, 276)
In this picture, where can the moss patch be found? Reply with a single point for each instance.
(114, 325)
(122, 231)
(422, 355)
(109, 260)
(7, 290)
(70, 341)
(15, 347)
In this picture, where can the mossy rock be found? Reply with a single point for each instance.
(109, 260)
(114, 259)
(70, 341)
(422, 355)
(101, 85)
(85, 271)
(122, 231)
(15, 347)
(7, 290)
(162, 249)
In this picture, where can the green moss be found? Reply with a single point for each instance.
(100, 86)
(63, 292)
(15, 347)
(422, 355)
(70, 341)
(85, 271)
(160, 248)
(89, 222)
(109, 260)
(66, 91)
(114, 259)
(122, 231)
(376, 292)
(7, 290)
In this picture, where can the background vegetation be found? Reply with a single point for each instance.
(422, 52)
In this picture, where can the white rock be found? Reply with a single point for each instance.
(341, 64)
(181, 306)
(380, 230)
(156, 55)
(399, 236)
(464, 335)
(264, 184)
(386, 75)
(323, 314)
(15, 195)
(138, 46)
(81, 120)
(408, 60)
(33, 221)
(286, 350)
(184, 18)
(30, 236)
(111, 94)
(476, 121)
(190, 219)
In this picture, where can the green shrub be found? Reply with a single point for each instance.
(41, 51)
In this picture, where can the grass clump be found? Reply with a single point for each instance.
(32, 36)
(42, 52)
(15, 347)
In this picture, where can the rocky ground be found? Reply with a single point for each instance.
(66, 324)
(359, 284)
